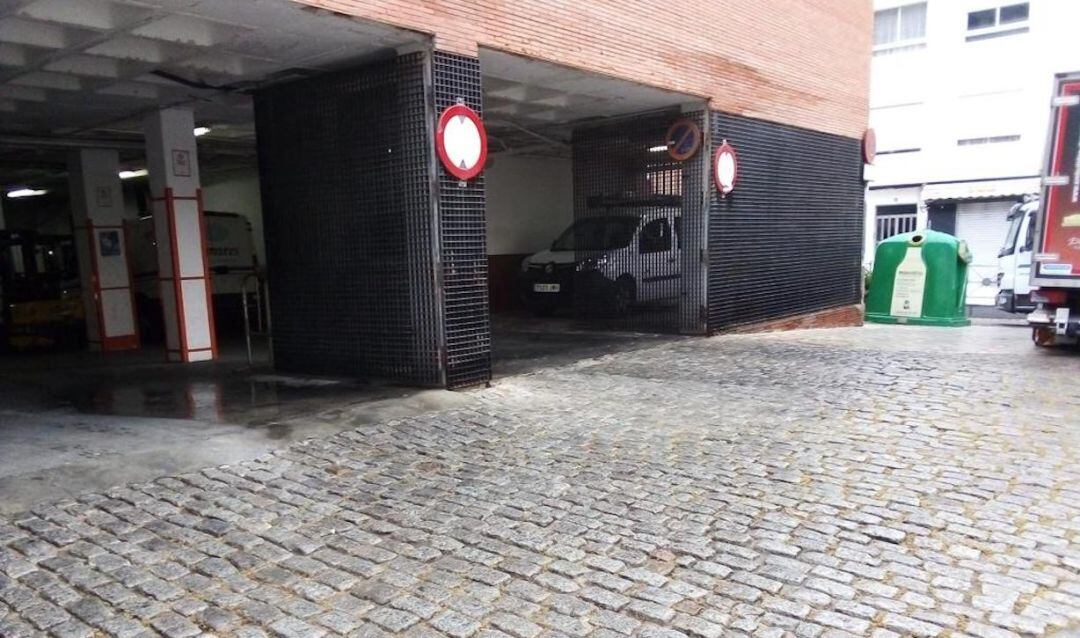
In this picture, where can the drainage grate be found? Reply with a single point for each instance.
(462, 229)
(788, 240)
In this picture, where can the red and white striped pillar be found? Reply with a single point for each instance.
(97, 208)
(180, 229)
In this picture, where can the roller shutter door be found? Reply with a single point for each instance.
(983, 226)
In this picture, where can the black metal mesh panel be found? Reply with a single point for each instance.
(638, 229)
(788, 240)
(344, 164)
(466, 322)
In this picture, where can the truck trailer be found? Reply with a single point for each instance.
(1055, 271)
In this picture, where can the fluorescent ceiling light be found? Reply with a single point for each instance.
(141, 172)
(25, 192)
(658, 149)
(201, 130)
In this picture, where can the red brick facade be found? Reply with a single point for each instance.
(842, 317)
(799, 62)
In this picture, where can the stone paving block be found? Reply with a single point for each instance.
(834, 483)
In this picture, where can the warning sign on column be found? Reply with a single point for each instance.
(909, 285)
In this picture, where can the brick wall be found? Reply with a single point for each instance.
(799, 62)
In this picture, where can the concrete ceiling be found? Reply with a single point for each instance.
(74, 70)
(76, 66)
(532, 106)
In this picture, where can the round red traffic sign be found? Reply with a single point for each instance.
(725, 168)
(869, 146)
(461, 142)
(683, 139)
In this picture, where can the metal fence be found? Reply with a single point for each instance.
(894, 224)
(637, 213)
(788, 240)
(345, 162)
(462, 228)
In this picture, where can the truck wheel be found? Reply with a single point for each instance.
(1042, 337)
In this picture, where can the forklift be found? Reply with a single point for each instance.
(40, 296)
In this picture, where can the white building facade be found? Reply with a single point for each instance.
(960, 102)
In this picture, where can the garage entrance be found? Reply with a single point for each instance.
(592, 224)
(126, 126)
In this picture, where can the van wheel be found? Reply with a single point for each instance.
(623, 296)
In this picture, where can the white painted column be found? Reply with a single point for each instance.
(180, 229)
(97, 209)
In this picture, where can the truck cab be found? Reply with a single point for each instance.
(1014, 259)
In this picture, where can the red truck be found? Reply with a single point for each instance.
(1055, 274)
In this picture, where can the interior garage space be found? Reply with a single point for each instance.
(88, 400)
(590, 220)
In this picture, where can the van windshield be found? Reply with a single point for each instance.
(598, 233)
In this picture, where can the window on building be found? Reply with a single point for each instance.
(894, 219)
(900, 28)
(1029, 238)
(998, 21)
(996, 139)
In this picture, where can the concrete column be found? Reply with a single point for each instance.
(97, 208)
(180, 229)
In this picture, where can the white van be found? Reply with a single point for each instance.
(611, 260)
(1014, 259)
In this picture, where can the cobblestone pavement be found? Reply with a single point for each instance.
(884, 481)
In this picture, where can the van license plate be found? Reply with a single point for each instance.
(545, 287)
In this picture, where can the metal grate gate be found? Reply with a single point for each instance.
(345, 163)
(638, 228)
(788, 240)
(462, 228)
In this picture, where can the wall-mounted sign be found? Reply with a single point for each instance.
(109, 243)
(725, 168)
(181, 163)
(103, 195)
(869, 146)
(461, 142)
(683, 140)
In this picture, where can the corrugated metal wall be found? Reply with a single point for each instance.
(463, 231)
(345, 163)
(788, 240)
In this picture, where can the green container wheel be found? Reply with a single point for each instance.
(919, 278)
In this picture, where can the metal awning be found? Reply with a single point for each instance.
(986, 189)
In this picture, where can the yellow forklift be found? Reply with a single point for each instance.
(40, 296)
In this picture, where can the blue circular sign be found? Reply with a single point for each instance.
(683, 140)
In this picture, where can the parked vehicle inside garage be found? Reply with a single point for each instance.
(608, 262)
(40, 302)
(232, 259)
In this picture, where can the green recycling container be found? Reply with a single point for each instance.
(919, 278)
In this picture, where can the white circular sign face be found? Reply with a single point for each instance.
(726, 169)
(462, 142)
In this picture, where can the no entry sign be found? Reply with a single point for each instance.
(461, 142)
(725, 168)
(869, 146)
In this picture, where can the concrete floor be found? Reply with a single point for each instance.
(70, 422)
(78, 421)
